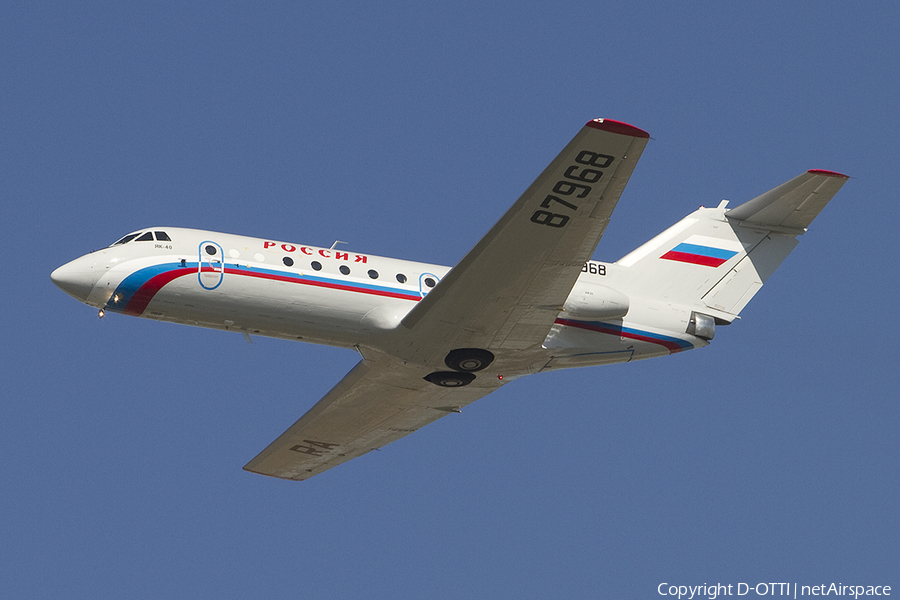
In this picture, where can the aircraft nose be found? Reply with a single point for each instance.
(75, 278)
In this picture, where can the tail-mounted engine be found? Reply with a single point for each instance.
(703, 326)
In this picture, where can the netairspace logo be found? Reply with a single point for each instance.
(713, 591)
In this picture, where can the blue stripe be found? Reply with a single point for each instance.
(704, 251)
(132, 283)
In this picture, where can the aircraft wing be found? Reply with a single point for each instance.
(379, 401)
(504, 294)
(508, 290)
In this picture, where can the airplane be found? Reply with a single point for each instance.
(527, 298)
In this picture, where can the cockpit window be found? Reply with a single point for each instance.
(147, 237)
(126, 239)
(162, 236)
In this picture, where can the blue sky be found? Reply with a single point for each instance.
(406, 130)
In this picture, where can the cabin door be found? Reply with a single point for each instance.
(211, 265)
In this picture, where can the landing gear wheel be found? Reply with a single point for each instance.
(468, 359)
(450, 378)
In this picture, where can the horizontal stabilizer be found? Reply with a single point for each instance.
(791, 205)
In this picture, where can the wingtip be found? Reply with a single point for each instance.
(828, 173)
(617, 127)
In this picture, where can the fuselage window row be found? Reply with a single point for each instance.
(345, 270)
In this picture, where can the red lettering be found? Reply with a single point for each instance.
(268, 245)
(305, 250)
(360, 258)
(322, 252)
(341, 256)
(288, 247)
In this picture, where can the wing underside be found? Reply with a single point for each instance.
(377, 402)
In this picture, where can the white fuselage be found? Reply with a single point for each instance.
(341, 298)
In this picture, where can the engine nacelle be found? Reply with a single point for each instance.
(703, 326)
(589, 300)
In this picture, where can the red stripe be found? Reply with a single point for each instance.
(695, 259)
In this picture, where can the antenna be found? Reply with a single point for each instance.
(336, 242)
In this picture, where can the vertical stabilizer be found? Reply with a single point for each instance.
(715, 260)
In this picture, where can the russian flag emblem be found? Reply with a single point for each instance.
(697, 254)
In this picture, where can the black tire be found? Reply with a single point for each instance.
(450, 378)
(469, 360)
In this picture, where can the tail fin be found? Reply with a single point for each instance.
(715, 260)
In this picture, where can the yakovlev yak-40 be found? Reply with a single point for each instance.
(526, 299)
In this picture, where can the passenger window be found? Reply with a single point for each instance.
(316, 265)
(430, 282)
(288, 261)
(162, 236)
(147, 237)
(401, 277)
(373, 274)
(345, 269)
